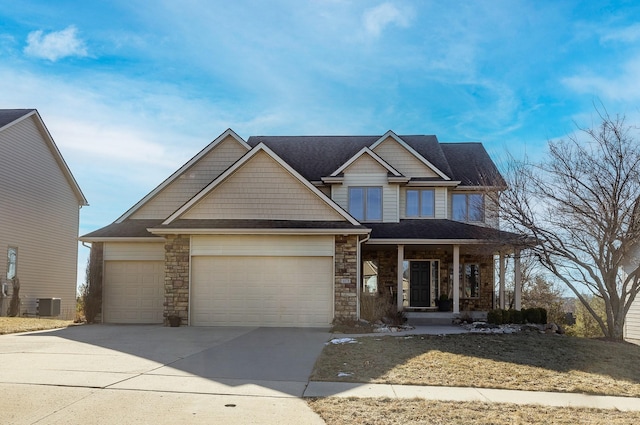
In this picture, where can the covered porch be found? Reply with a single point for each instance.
(418, 273)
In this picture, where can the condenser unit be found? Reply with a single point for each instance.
(48, 307)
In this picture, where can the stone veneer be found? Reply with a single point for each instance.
(176, 277)
(346, 278)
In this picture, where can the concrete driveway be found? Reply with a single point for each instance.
(101, 374)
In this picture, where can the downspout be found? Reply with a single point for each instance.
(358, 273)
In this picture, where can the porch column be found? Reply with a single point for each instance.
(400, 277)
(456, 279)
(517, 279)
(502, 279)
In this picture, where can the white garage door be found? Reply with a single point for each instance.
(133, 292)
(261, 291)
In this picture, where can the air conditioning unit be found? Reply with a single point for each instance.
(48, 307)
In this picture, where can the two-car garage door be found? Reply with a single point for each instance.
(235, 281)
(261, 281)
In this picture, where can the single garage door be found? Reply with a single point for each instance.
(262, 291)
(133, 291)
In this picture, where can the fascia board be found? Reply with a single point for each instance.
(377, 241)
(123, 239)
(482, 188)
(449, 183)
(181, 170)
(260, 147)
(373, 155)
(189, 231)
(421, 158)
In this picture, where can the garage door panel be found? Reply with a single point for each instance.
(133, 292)
(262, 291)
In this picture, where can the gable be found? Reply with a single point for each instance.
(365, 164)
(402, 160)
(262, 189)
(192, 180)
(34, 175)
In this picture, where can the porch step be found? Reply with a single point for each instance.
(422, 319)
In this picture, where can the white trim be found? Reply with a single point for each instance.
(300, 232)
(374, 241)
(181, 170)
(261, 147)
(374, 156)
(122, 239)
(431, 183)
(480, 188)
(411, 150)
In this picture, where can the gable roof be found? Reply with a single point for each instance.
(242, 161)
(182, 170)
(419, 157)
(315, 157)
(9, 117)
(374, 156)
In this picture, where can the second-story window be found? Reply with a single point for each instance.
(467, 207)
(421, 203)
(365, 203)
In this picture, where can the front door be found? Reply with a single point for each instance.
(420, 283)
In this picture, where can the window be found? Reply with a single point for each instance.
(469, 280)
(467, 207)
(365, 203)
(370, 277)
(421, 203)
(12, 262)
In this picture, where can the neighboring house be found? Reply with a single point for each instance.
(632, 321)
(289, 231)
(40, 205)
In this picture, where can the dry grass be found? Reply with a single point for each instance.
(10, 325)
(520, 361)
(338, 411)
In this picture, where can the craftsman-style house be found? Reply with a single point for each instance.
(293, 231)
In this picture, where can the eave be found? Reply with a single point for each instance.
(253, 231)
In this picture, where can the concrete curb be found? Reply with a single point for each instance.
(347, 389)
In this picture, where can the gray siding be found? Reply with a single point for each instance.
(39, 215)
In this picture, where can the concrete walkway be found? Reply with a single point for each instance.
(346, 389)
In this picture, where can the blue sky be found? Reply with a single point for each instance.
(130, 89)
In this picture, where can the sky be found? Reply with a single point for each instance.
(131, 89)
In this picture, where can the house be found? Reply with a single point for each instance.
(632, 322)
(290, 231)
(40, 205)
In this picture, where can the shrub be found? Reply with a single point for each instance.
(495, 317)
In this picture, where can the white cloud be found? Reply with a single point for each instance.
(624, 86)
(380, 17)
(628, 34)
(55, 45)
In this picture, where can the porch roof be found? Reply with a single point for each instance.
(438, 231)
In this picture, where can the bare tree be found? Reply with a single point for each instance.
(581, 207)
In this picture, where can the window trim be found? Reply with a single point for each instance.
(420, 193)
(365, 203)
